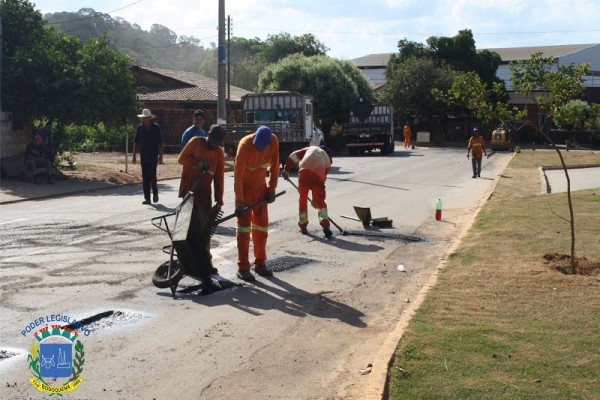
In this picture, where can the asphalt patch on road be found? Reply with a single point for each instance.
(107, 319)
(4, 354)
(385, 235)
(286, 263)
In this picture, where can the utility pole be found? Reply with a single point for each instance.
(228, 67)
(221, 112)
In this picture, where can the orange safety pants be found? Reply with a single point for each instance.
(309, 181)
(407, 139)
(255, 222)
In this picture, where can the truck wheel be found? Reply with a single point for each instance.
(160, 278)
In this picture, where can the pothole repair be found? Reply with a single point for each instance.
(107, 319)
(385, 235)
(4, 354)
(286, 263)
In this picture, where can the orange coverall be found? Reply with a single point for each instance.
(314, 166)
(407, 136)
(250, 186)
(197, 150)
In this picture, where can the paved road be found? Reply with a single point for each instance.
(304, 334)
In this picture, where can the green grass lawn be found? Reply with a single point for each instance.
(500, 323)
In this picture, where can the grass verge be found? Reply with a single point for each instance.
(500, 323)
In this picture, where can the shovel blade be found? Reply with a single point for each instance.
(364, 214)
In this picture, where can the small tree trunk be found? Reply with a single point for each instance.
(571, 215)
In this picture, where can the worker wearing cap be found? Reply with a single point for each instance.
(256, 154)
(315, 163)
(477, 145)
(203, 156)
(203, 163)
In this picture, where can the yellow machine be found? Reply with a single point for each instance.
(502, 139)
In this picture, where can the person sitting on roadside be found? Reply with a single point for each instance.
(36, 156)
(46, 135)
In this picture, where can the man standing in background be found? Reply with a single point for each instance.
(148, 140)
(195, 130)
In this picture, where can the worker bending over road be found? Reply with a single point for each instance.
(204, 158)
(315, 162)
(256, 153)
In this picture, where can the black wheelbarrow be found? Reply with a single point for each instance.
(190, 239)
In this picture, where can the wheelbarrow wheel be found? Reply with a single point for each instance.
(160, 279)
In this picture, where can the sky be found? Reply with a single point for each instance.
(352, 29)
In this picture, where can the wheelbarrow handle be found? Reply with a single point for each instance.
(250, 207)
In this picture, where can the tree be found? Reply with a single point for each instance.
(417, 70)
(334, 84)
(410, 83)
(575, 115)
(159, 47)
(50, 75)
(282, 45)
(249, 57)
(539, 79)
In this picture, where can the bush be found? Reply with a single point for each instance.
(89, 138)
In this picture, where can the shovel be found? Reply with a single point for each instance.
(364, 216)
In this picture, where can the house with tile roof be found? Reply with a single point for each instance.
(174, 95)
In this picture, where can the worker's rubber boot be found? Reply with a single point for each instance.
(303, 228)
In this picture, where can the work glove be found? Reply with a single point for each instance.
(239, 208)
(270, 197)
(286, 175)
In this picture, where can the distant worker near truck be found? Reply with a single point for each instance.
(407, 135)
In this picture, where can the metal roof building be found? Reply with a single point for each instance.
(373, 65)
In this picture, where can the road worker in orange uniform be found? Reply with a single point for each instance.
(204, 155)
(203, 158)
(407, 135)
(315, 163)
(256, 154)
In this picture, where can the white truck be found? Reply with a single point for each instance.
(288, 114)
